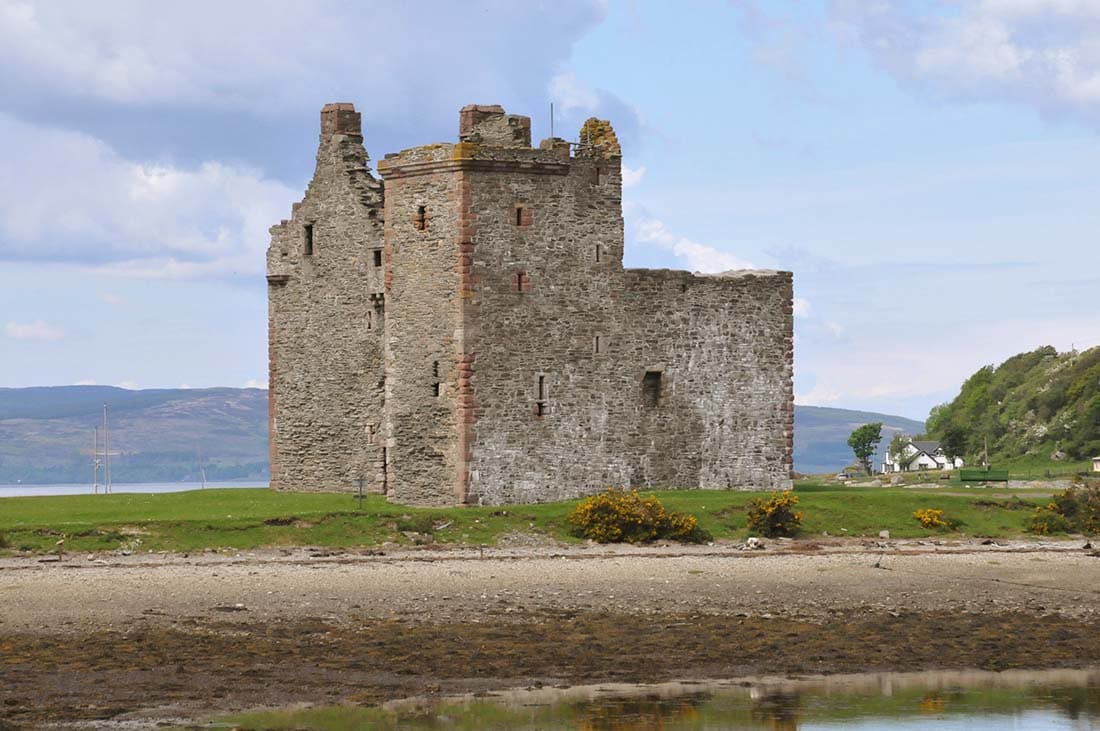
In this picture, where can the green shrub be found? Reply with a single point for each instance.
(4, 542)
(775, 516)
(619, 516)
(1075, 509)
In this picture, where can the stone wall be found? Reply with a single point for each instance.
(326, 321)
(520, 361)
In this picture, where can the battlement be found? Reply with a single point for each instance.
(489, 138)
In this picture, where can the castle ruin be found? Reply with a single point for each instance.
(464, 331)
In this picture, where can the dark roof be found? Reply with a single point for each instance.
(927, 446)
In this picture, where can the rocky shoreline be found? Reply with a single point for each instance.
(110, 641)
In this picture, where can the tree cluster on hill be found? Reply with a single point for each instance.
(1033, 403)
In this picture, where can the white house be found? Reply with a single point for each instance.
(921, 455)
(1096, 464)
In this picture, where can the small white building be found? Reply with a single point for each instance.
(1096, 464)
(921, 455)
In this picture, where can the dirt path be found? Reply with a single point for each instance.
(172, 635)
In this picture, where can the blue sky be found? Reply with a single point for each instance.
(928, 170)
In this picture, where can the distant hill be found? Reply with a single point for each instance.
(1034, 403)
(164, 435)
(821, 436)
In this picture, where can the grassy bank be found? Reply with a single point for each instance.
(251, 518)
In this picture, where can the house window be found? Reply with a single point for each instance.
(651, 389)
(377, 257)
(420, 221)
(307, 239)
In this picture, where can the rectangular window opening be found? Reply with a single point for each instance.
(542, 388)
(435, 376)
(378, 258)
(651, 389)
(307, 241)
(597, 253)
(596, 345)
(370, 319)
(519, 216)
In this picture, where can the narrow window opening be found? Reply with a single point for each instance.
(597, 346)
(307, 239)
(540, 397)
(651, 389)
(421, 220)
(519, 216)
(435, 378)
(378, 258)
(522, 282)
(597, 253)
(370, 319)
(370, 433)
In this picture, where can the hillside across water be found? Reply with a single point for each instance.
(166, 434)
(159, 434)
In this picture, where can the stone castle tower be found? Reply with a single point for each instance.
(466, 332)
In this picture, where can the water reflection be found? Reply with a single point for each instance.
(974, 701)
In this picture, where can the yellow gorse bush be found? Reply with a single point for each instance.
(775, 516)
(621, 516)
(930, 518)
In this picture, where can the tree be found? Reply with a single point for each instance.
(896, 452)
(953, 442)
(864, 441)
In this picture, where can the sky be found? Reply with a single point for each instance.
(928, 170)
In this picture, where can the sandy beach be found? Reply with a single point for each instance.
(114, 639)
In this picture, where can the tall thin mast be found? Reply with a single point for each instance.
(106, 453)
(95, 460)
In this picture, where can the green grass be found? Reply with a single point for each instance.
(252, 518)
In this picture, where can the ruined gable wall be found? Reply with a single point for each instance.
(723, 345)
(325, 331)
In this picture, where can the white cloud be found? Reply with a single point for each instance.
(819, 395)
(77, 199)
(697, 257)
(570, 93)
(1042, 53)
(801, 307)
(633, 176)
(128, 385)
(37, 330)
(271, 56)
(255, 383)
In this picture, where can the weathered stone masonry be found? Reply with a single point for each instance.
(471, 336)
